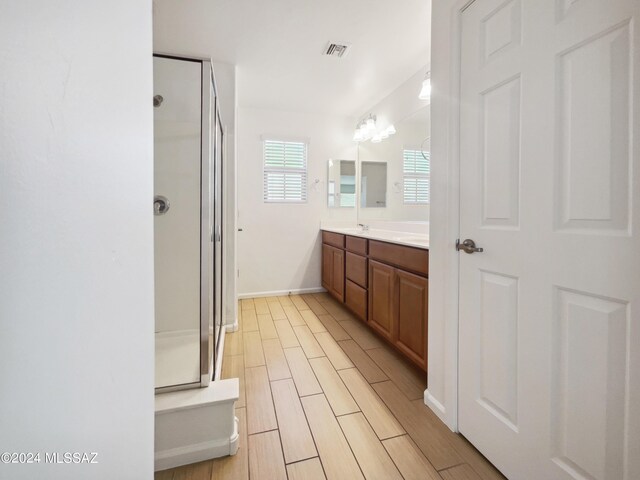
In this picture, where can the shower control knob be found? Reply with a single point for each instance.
(161, 205)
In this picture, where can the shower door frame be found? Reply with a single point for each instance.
(209, 116)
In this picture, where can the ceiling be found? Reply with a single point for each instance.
(277, 46)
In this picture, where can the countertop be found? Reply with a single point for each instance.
(409, 239)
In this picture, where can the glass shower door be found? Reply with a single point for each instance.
(178, 222)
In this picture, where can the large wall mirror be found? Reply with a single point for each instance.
(394, 173)
(341, 187)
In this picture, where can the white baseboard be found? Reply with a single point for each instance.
(199, 452)
(234, 440)
(232, 327)
(278, 293)
(437, 408)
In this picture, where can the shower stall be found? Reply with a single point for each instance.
(187, 207)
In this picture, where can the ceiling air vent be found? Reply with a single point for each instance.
(336, 49)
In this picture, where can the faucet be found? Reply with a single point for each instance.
(365, 228)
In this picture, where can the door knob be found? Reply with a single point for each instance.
(468, 246)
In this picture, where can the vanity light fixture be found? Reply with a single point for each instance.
(425, 91)
(366, 129)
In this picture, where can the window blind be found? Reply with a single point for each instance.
(285, 171)
(416, 177)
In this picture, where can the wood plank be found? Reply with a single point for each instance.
(286, 334)
(381, 419)
(293, 315)
(262, 308)
(301, 371)
(335, 454)
(285, 300)
(312, 321)
(266, 326)
(195, 471)
(253, 354)
(336, 355)
(314, 305)
(168, 474)
(261, 415)
(235, 467)
(249, 321)
(412, 464)
(233, 344)
(409, 380)
(277, 367)
(271, 300)
(277, 313)
(308, 342)
(461, 472)
(297, 442)
(361, 334)
(334, 389)
(239, 314)
(247, 304)
(363, 362)
(334, 328)
(433, 444)
(369, 452)
(299, 302)
(338, 312)
(468, 452)
(233, 367)
(308, 470)
(265, 456)
(323, 297)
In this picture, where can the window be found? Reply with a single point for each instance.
(416, 177)
(285, 172)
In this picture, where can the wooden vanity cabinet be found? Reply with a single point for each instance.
(385, 285)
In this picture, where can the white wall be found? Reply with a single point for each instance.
(279, 248)
(76, 229)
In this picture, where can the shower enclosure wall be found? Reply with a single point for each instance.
(189, 144)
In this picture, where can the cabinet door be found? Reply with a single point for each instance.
(327, 266)
(337, 281)
(381, 298)
(355, 297)
(411, 325)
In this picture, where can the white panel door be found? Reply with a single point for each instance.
(549, 372)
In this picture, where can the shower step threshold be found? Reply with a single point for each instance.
(220, 391)
(196, 425)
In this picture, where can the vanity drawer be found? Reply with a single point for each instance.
(335, 239)
(408, 258)
(357, 245)
(356, 299)
(356, 267)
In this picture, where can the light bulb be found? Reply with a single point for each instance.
(384, 134)
(376, 138)
(391, 130)
(371, 124)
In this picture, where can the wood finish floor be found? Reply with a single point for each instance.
(321, 397)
